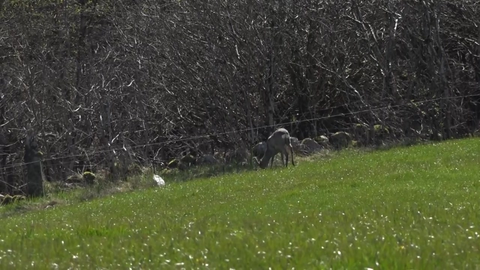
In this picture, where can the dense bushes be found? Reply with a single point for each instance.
(103, 82)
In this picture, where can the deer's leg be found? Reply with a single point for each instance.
(291, 150)
(286, 159)
(285, 149)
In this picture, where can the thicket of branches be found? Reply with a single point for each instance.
(101, 81)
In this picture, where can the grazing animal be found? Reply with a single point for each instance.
(278, 142)
(259, 150)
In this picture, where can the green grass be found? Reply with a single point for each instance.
(402, 208)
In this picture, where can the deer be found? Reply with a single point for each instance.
(259, 149)
(279, 141)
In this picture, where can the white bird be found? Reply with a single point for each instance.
(159, 180)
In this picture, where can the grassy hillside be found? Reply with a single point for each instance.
(405, 208)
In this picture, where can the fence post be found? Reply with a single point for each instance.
(33, 161)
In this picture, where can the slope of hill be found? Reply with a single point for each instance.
(403, 208)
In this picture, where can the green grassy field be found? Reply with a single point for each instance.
(403, 208)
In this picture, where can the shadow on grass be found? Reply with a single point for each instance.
(58, 194)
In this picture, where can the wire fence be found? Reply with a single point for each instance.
(236, 131)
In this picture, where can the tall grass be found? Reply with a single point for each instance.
(403, 208)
